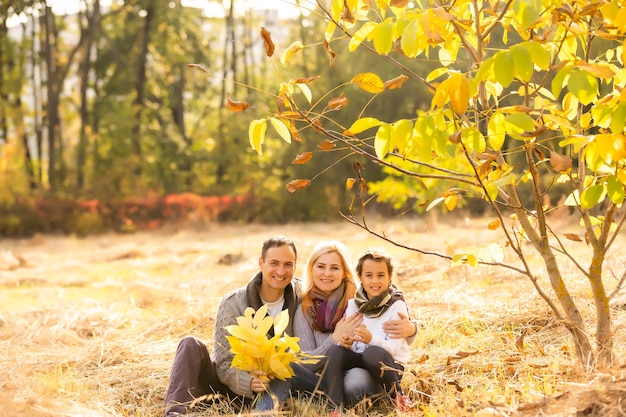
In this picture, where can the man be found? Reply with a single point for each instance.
(195, 374)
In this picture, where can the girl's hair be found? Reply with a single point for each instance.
(377, 255)
(322, 248)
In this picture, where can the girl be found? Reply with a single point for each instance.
(369, 346)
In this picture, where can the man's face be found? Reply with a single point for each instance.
(278, 267)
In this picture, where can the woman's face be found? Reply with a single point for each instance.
(374, 277)
(328, 272)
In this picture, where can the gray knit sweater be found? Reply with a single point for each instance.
(232, 306)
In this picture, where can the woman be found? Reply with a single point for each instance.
(329, 282)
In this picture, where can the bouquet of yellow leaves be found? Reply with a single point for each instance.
(254, 351)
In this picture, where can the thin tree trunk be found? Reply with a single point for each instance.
(140, 88)
(88, 33)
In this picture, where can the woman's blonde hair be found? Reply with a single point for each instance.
(322, 248)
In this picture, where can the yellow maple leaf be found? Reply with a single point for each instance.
(253, 350)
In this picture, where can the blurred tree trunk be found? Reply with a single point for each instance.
(140, 87)
(36, 77)
(90, 24)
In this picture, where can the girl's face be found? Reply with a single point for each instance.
(374, 277)
(328, 272)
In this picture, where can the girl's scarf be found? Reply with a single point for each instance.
(379, 304)
(325, 310)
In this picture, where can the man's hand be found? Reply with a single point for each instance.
(401, 328)
(260, 382)
(346, 326)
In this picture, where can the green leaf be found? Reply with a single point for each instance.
(618, 118)
(615, 189)
(281, 128)
(381, 141)
(496, 131)
(504, 68)
(256, 134)
(363, 124)
(410, 36)
(383, 37)
(473, 139)
(539, 55)
(518, 123)
(592, 196)
(583, 85)
(401, 133)
(523, 62)
(559, 80)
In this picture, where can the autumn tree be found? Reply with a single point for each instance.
(524, 95)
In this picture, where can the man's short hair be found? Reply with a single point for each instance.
(276, 242)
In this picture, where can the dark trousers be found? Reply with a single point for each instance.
(193, 375)
(378, 362)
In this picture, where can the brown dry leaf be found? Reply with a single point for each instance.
(337, 103)
(483, 169)
(236, 106)
(455, 384)
(399, 3)
(306, 80)
(326, 145)
(395, 82)
(512, 359)
(494, 224)
(198, 66)
(294, 115)
(303, 158)
(346, 14)
(422, 358)
(560, 163)
(535, 132)
(357, 166)
(462, 354)
(350, 183)
(330, 53)
(362, 184)
(317, 125)
(296, 185)
(455, 137)
(267, 42)
(519, 342)
(573, 236)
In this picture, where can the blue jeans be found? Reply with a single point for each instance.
(304, 381)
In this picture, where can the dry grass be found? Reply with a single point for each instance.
(88, 327)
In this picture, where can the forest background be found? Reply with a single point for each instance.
(104, 126)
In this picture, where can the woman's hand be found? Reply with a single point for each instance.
(401, 328)
(346, 326)
(260, 382)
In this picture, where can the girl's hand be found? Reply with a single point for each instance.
(260, 382)
(361, 334)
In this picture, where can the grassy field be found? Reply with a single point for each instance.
(89, 326)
